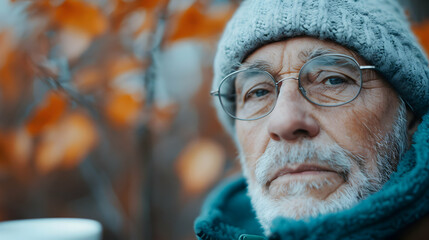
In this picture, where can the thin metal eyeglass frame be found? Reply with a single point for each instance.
(301, 89)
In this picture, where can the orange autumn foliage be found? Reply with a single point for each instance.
(151, 4)
(148, 24)
(15, 69)
(163, 116)
(98, 53)
(88, 78)
(195, 22)
(67, 143)
(123, 109)
(71, 14)
(73, 43)
(80, 15)
(76, 23)
(122, 65)
(48, 113)
(79, 22)
(200, 164)
(6, 43)
(15, 147)
(422, 32)
(8, 86)
(91, 78)
(123, 9)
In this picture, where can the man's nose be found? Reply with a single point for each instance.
(291, 118)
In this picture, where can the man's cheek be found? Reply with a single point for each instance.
(253, 140)
(248, 164)
(354, 131)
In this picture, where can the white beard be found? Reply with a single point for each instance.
(294, 199)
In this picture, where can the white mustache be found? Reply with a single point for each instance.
(278, 156)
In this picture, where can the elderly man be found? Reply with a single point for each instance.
(326, 101)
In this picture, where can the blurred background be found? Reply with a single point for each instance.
(105, 111)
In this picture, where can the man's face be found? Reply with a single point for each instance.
(302, 159)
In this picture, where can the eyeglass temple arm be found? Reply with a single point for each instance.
(366, 67)
(406, 102)
(216, 94)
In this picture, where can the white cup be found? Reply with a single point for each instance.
(51, 229)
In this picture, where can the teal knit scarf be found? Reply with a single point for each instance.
(227, 213)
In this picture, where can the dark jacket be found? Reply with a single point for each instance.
(397, 211)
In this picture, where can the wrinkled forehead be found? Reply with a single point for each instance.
(291, 54)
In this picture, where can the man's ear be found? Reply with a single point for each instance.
(412, 123)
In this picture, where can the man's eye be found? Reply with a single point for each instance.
(335, 81)
(257, 93)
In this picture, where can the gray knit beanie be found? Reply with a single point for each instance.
(376, 29)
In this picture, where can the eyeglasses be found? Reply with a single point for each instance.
(328, 80)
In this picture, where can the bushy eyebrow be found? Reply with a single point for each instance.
(258, 64)
(309, 54)
(304, 56)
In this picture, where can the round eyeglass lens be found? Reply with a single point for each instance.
(330, 80)
(248, 94)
